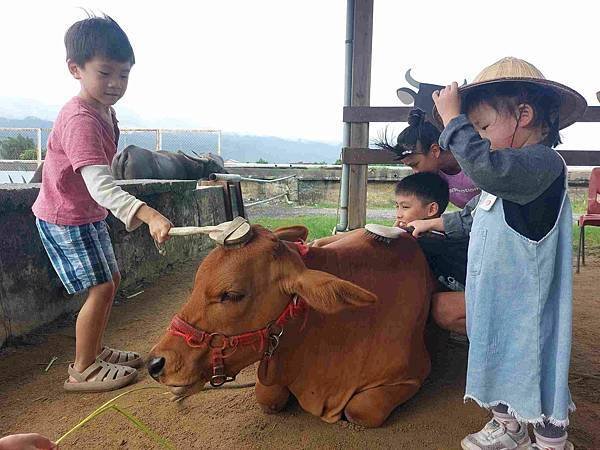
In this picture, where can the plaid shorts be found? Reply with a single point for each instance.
(82, 255)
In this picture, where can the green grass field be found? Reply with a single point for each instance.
(317, 226)
(323, 226)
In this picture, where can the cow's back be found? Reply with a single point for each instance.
(357, 349)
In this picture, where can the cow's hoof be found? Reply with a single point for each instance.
(366, 422)
(271, 399)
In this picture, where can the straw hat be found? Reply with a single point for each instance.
(514, 70)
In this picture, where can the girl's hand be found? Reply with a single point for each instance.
(447, 102)
(420, 226)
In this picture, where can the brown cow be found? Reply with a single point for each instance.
(343, 349)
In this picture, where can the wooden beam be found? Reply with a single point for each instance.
(361, 94)
(362, 114)
(581, 157)
(365, 156)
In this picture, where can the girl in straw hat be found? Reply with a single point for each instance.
(501, 129)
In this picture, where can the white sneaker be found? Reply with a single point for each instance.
(495, 436)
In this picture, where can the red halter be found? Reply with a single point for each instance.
(302, 248)
(219, 342)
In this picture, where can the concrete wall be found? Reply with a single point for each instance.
(31, 293)
(321, 185)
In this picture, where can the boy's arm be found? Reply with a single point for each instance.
(516, 175)
(106, 193)
(125, 207)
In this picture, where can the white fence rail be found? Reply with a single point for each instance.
(198, 139)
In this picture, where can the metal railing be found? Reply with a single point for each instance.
(22, 150)
(238, 178)
(198, 139)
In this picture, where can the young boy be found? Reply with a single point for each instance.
(423, 196)
(78, 188)
(420, 196)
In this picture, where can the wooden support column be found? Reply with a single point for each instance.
(361, 95)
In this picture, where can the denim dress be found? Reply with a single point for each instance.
(519, 310)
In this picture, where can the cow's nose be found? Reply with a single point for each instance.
(155, 367)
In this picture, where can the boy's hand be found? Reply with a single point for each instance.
(159, 227)
(158, 224)
(26, 441)
(447, 102)
(422, 226)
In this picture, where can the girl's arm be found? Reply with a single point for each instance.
(517, 175)
(457, 224)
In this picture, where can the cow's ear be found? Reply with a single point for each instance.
(292, 233)
(329, 294)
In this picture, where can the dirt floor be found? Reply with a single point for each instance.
(33, 400)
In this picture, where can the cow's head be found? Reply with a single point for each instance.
(200, 166)
(239, 290)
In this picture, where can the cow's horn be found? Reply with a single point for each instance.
(411, 80)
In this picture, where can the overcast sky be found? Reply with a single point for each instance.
(276, 67)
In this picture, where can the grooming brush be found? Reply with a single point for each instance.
(236, 232)
(382, 233)
(385, 234)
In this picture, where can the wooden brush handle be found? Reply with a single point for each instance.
(188, 231)
(431, 234)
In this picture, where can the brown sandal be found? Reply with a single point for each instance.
(102, 376)
(120, 357)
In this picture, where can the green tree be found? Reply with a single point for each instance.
(12, 148)
(262, 161)
(29, 154)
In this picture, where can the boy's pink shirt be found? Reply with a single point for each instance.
(80, 137)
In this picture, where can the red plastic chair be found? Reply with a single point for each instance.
(592, 217)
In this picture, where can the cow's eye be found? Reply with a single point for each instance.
(231, 296)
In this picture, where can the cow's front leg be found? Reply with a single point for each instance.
(370, 408)
(271, 399)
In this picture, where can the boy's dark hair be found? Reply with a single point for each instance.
(97, 36)
(506, 97)
(416, 138)
(427, 187)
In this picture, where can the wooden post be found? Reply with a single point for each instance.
(361, 94)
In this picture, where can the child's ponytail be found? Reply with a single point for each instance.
(417, 137)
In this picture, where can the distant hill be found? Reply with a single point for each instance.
(27, 122)
(243, 148)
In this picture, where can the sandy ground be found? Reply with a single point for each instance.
(33, 400)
